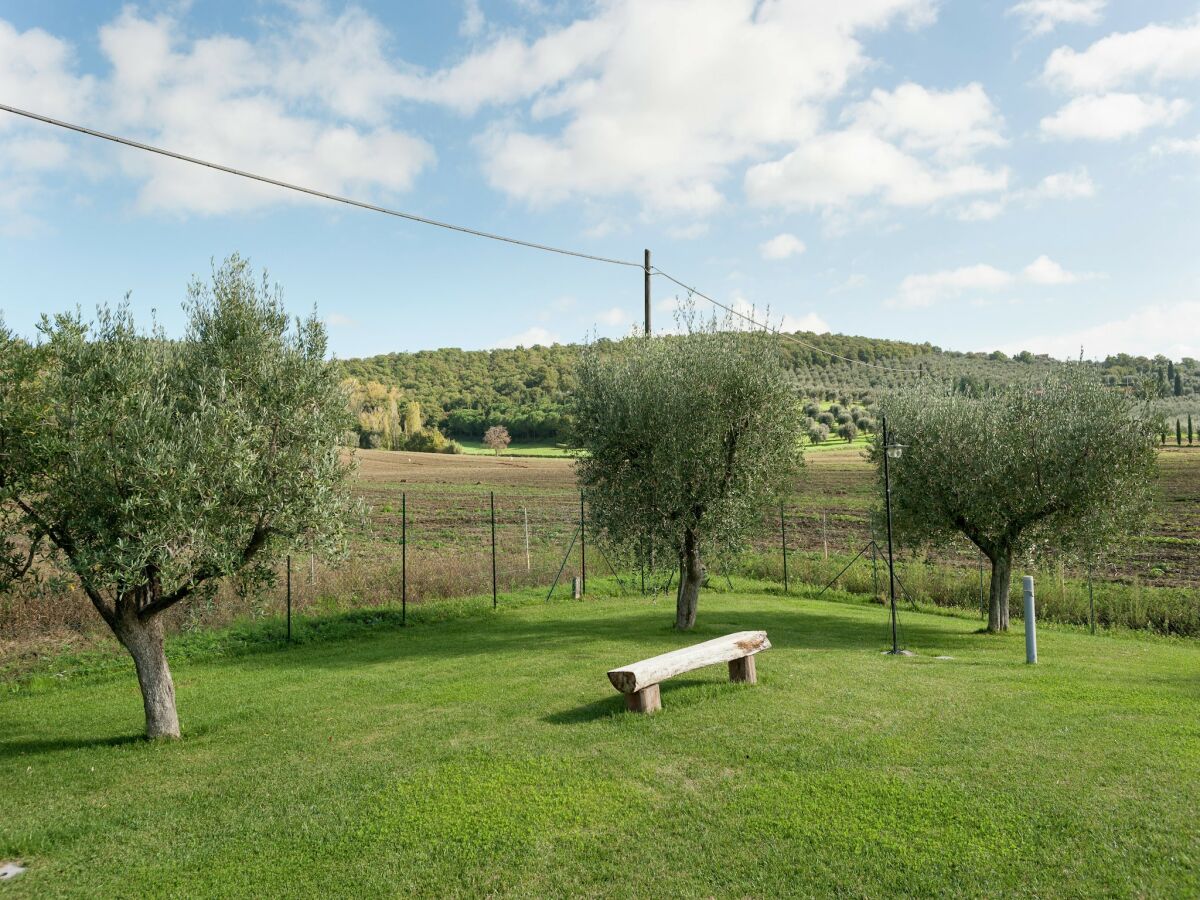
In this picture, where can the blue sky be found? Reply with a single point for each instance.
(1017, 174)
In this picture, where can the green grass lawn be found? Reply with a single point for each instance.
(533, 448)
(487, 754)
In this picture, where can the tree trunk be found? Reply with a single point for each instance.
(1001, 578)
(144, 641)
(691, 575)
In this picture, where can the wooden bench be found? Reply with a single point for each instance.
(639, 682)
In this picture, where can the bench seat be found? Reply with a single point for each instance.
(639, 681)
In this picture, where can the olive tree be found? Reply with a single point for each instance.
(150, 468)
(1059, 466)
(684, 441)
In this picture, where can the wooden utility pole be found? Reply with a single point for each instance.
(647, 277)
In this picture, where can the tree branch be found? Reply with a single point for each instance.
(257, 541)
(65, 542)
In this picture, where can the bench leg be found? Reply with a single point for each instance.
(647, 700)
(743, 670)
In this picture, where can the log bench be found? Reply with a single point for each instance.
(639, 682)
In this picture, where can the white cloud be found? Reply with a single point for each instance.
(1044, 270)
(853, 281)
(923, 290)
(618, 115)
(1156, 53)
(1074, 184)
(1042, 16)
(952, 124)
(1178, 146)
(37, 72)
(836, 168)
(307, 103)
(782, 246)
(1071, 185)
(613, 317)
(1172, 329)
(781, 322)
(234, 101)
(339, 320)
(528, 338)
(472, 21)
(982, 210)
(1110, 117)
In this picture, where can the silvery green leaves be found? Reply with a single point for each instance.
(687, 439)
(1063, 465)
(158, 466)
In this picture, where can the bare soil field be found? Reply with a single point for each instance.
(830, 509)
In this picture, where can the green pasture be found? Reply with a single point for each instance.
(533, 448)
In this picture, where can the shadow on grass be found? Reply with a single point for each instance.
(614, 704)
(646, 630)
(53, 745)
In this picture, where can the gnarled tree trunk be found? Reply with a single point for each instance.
(1001, 579)
(691, 576)
(143, 638)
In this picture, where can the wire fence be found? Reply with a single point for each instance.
(442, 541)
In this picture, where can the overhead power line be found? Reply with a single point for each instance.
(229, 170)
(779, 333)
(423, 220)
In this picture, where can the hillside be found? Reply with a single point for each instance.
(462, 392)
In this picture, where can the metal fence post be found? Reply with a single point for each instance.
(493, 505)
(404, 558)
(582, 550)
(528, 564)
(1030, 621)
(783, 541)
(289, 597)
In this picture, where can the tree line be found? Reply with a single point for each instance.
(527, 390)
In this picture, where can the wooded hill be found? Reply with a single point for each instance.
(462, 392)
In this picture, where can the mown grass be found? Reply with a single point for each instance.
(487, 754)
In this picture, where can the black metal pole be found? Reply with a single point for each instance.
(642, 568)
(289, 598)
(887, 490)
(582, 550)
(647, 277)
(404, 558)
(493, 501)
(783, 541)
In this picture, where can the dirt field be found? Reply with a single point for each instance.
(830, 508)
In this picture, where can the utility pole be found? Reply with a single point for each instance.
(647, 277)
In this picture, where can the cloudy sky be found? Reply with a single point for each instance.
(1001, 174)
